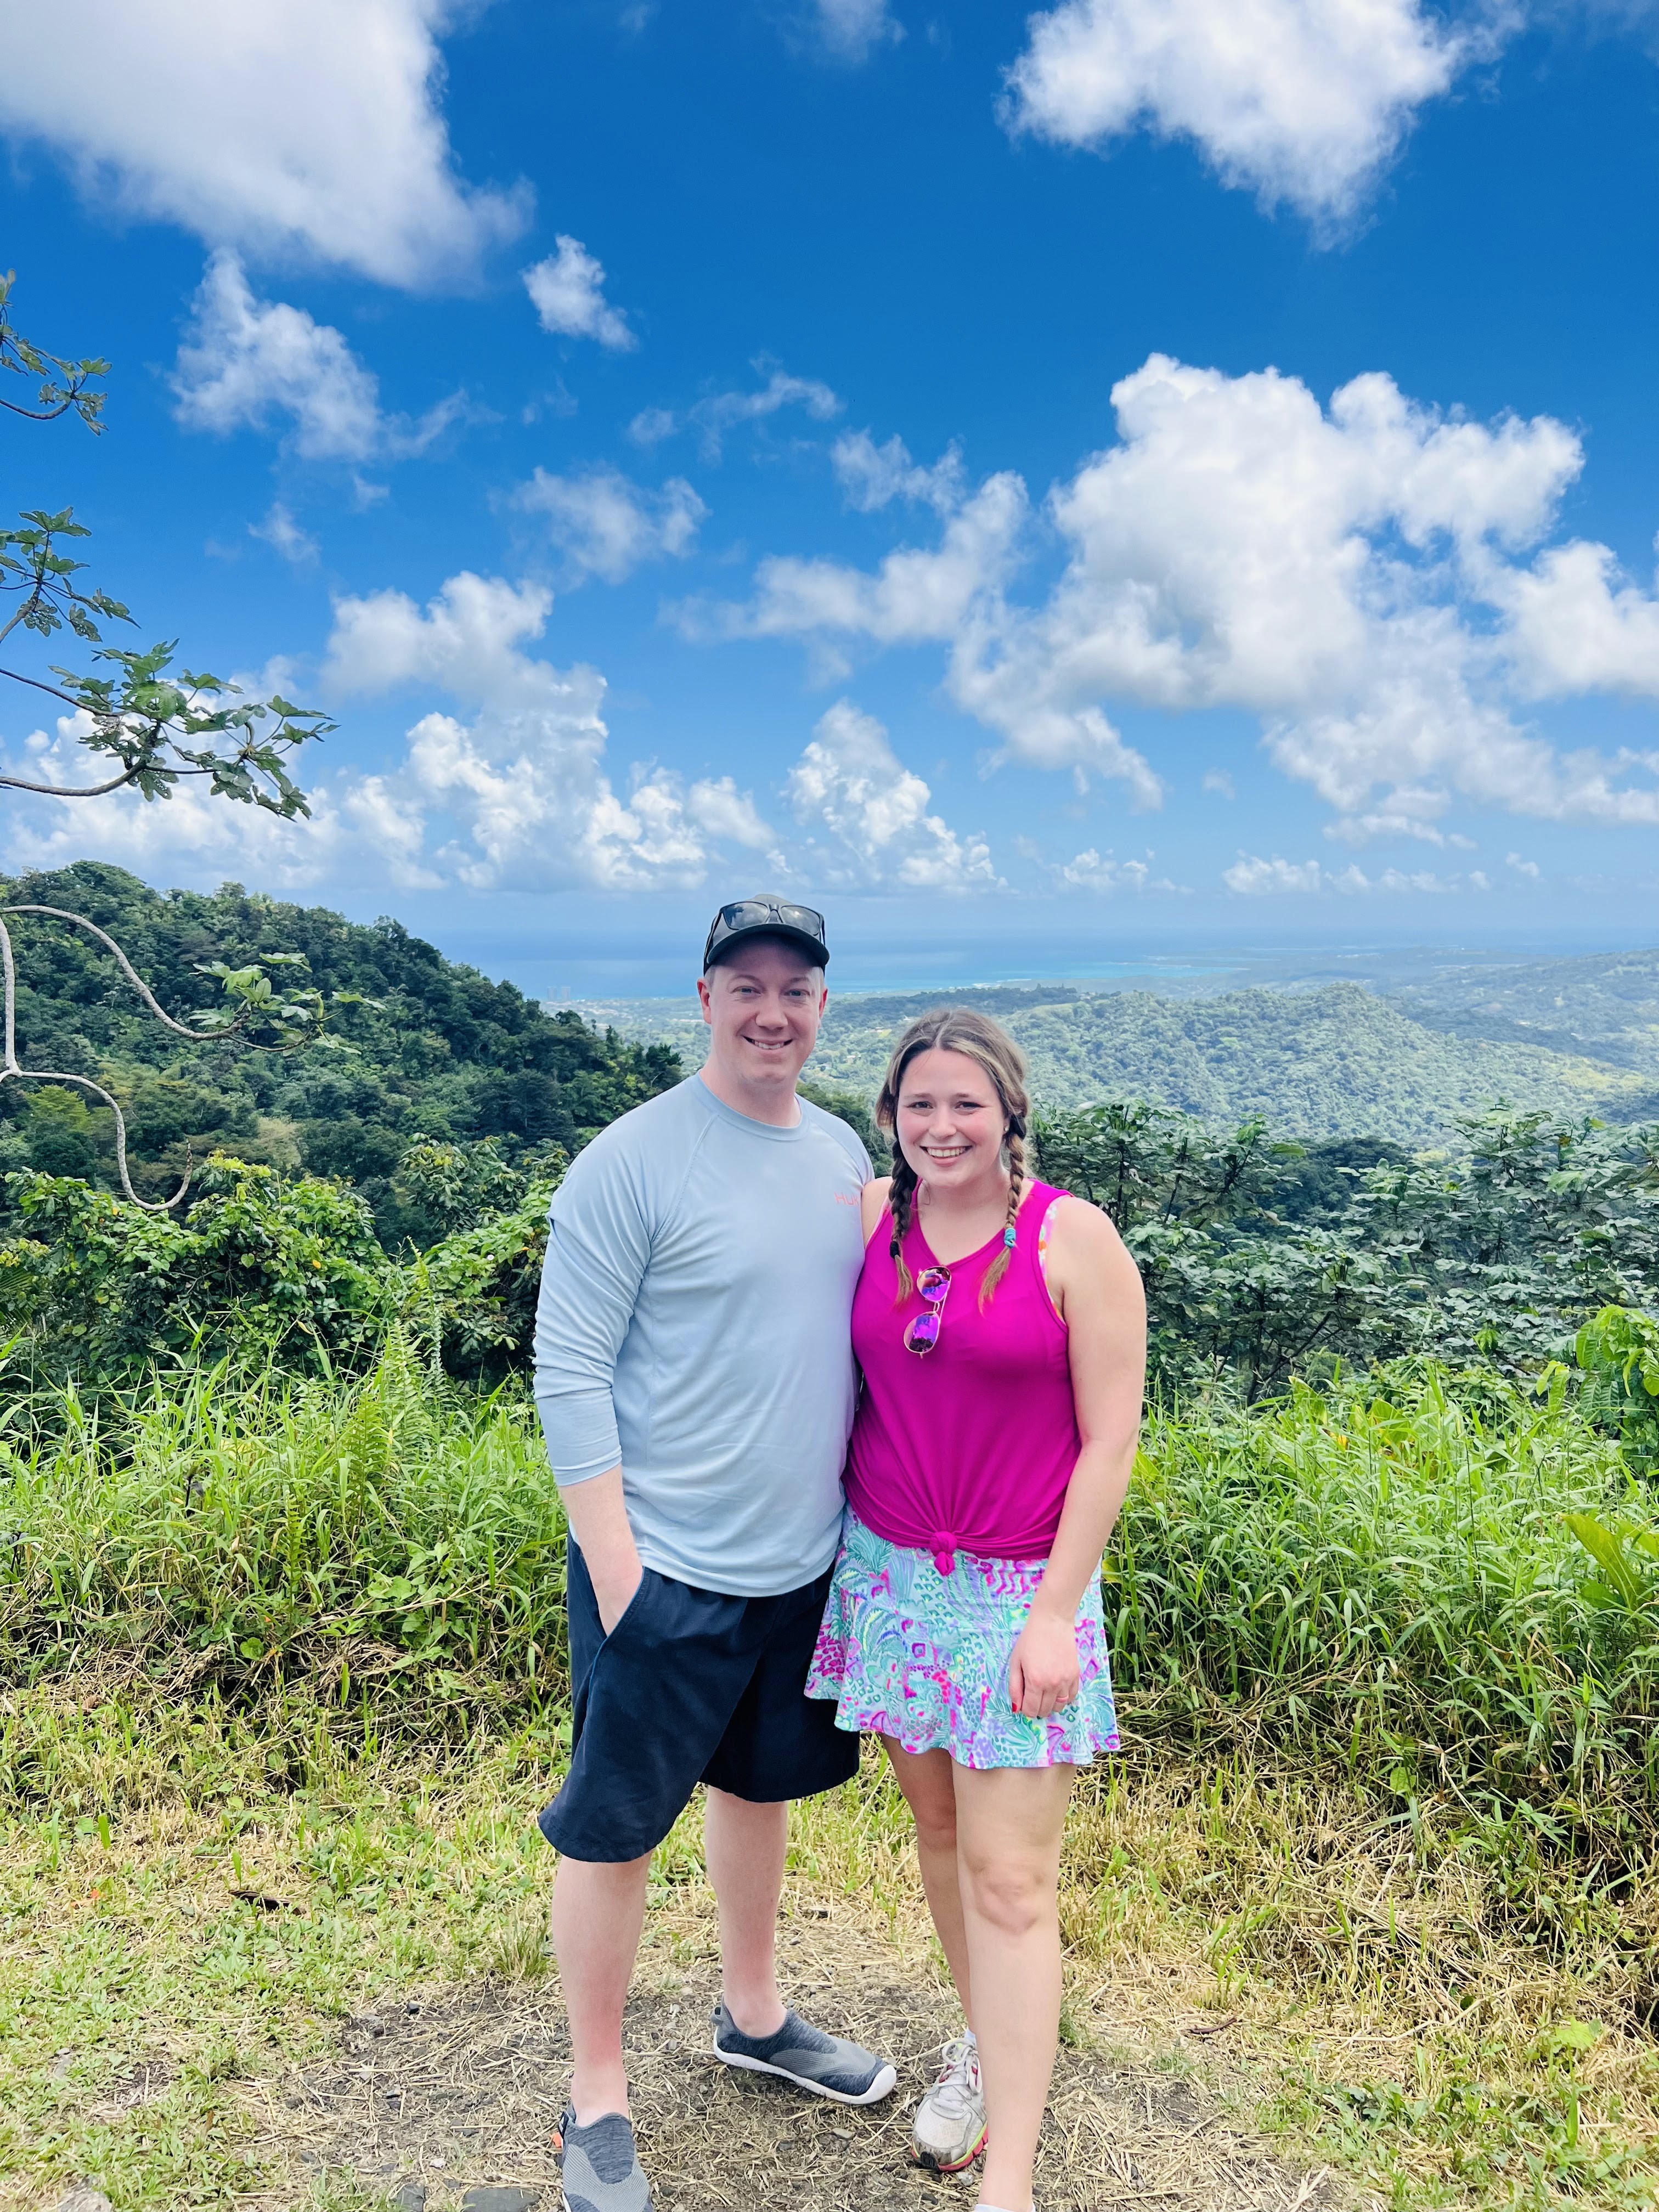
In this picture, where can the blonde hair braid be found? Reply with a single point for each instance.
(999, 1267)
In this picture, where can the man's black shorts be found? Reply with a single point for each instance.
(689, 1686)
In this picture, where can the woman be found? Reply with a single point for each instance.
(1001, 1330)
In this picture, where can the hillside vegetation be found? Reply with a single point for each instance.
(1335, 1062)
(416, 1045)
(1606, 1003)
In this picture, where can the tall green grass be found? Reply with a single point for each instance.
(1382, 1574)
(399, 1539)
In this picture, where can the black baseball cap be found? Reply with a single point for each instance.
(762, 916)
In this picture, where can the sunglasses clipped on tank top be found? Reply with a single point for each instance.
(934, 1284)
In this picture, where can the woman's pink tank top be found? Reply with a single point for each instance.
(971, 1446)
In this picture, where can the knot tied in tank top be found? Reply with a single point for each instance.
(970, 1447)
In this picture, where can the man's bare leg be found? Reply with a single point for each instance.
(599, 1912)
(745, 1846)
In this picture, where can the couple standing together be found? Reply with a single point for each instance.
(736, 1318)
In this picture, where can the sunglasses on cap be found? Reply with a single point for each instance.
(751, 917)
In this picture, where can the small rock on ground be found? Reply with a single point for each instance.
(501, 2200)
(83, 2198)
(409, 2196)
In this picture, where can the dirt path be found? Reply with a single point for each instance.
(452, 2101)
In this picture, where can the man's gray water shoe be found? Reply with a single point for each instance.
(949, 2130)
(826, 2065)
(602, 2170)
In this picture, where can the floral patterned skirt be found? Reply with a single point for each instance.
(907, 1652)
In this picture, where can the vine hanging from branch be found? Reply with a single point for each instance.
(297, 1020)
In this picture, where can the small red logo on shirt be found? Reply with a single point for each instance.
(846, 1198)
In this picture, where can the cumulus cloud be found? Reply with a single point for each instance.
(948, 594)
(567, 290)
(1220, 783)
(517, 775)
(726, 410)
(608, 526)
(1371, 580)
(916, 596)
(872, 477)
(1300, 100)
(729, 814)
(246, 361)
(1100, 871)
(850, 782)
(271, 125)
(1530, 869)
(1254, 878)
(1410, 812)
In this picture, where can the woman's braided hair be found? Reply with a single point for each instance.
(959, 1029)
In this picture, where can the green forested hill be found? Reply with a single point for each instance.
(1335, 1062)
(1606, 1003)
(420, 1046)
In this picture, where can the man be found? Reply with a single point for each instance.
(694, 1377)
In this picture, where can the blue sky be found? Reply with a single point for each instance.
(1145, 472)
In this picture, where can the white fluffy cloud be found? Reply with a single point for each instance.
(246, 360)
(192, 835)
(1302, 101)
(948, 594)
(608, 526)
(271, 124)
(568, 292)
(521, 783)
(915, 596)
(849, 782)
(873, 476)
(1371, 580)
(1254, 878)
(1100, 871)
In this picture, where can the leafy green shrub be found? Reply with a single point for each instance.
(1618, 1353)
(98, 1291)
(471, 1301)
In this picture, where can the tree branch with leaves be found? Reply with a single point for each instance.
(155, 729)
(151, 728)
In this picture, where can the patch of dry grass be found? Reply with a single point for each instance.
(185, 1948)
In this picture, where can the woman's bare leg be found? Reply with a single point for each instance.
(1009, 1824)
(927, 1779)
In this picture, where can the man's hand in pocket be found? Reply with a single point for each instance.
(598, 1521)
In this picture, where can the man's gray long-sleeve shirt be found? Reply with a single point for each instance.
(695, 1326)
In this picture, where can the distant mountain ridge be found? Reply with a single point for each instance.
(1337, 1060)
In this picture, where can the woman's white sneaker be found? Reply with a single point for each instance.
(949, 2130)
